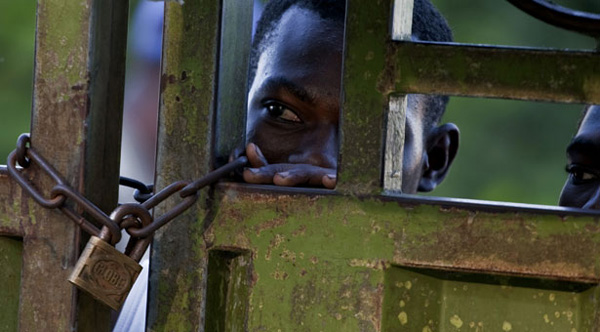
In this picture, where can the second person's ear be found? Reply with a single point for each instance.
(441, 148)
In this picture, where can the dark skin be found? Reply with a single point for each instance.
(582, 188)
(293, 113)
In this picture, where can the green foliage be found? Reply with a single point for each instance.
(17, 40)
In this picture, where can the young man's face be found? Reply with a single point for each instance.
(294, 105)
(582, 188)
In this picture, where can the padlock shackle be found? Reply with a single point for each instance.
(125, 215)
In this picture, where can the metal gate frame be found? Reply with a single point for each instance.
(216, 268)
(80, 52)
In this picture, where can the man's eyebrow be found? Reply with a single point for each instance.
(281, 83)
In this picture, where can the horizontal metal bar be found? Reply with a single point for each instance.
(415, 200)
(483, 237)
(495, 72)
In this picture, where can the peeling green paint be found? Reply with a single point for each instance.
(337, 271)
(9, 215)
(364, 96)
(191, 34)
(446, 302)
(11, 252)
(31, 207)
(467, 70)
(63, 40)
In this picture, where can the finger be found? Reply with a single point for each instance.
(291, 178)
(329, 181)
(264, 174)
(303, 175)
(255, 175)
(255, 156)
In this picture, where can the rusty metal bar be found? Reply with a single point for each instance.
(236, 37)
(495, 72)
(10, 259)
(10, 211)
(78, 86)
(364, 96)
(397, 108)
(326, 257)
(187, 104)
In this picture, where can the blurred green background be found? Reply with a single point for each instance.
(17, 37)
(510, 150)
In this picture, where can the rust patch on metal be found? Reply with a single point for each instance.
(270, 224)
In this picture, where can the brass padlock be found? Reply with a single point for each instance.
(106, 273)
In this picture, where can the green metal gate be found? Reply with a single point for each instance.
(360, 258)
(260, 258)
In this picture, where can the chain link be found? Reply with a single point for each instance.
(142, 192)
(132, 217)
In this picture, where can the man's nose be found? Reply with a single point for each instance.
(320, 150)
(594, 201)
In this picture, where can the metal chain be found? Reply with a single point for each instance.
(142, 191)
(126, 216)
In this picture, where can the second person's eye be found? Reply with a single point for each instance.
(581, 174)
(282, 112)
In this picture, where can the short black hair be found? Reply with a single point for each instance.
(428, 25)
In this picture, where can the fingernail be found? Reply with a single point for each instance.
(284, 174)
(258, 152)
(253, 170)
(331, 176)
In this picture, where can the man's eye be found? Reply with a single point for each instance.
(581, 174)
(282, 112)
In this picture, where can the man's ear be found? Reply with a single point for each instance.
(442, 145)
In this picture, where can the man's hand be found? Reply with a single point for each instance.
(288, 175)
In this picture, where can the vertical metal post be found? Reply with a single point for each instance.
(236, 37)
(366, 85)
(79, 73)
(394, 144)
(185, 140)
(396, 115)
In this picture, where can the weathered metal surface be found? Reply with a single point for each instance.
(294, 262)
(11, 249)
(485, 71)
(321, 262)
(227, 290)
(394, 144)
(364, 99)
(105, 273)
(191, 36)
(10, 279)
(397, 108)
(10, 209)
(60, 105)
(402, 19)
(68, 128)
(106, 66)
(236, 37)
(426, 300)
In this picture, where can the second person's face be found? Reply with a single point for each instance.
(582, 188)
